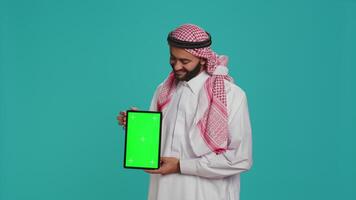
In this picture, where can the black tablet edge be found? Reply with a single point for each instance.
(159, 146)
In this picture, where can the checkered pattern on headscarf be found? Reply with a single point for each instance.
(214, 124)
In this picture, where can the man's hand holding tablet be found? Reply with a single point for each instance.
(121, 118)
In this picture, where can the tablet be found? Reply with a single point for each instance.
(143, 139)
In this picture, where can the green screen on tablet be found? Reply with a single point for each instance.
(142, 141)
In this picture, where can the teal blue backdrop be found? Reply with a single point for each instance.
(68, 67)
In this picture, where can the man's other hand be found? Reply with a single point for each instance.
(121, 118)
(169, 165)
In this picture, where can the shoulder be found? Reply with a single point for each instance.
(158, 87)
(236, 99)
(234, 92)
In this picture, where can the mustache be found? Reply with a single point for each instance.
(181, 70)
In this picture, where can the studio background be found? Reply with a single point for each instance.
(68, 67)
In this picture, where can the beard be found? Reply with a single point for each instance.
(188, 74)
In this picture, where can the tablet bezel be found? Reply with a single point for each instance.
(126, 131)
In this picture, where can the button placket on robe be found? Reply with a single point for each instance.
(178, 133)
(175, 133)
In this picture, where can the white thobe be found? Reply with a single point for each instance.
(208, 176)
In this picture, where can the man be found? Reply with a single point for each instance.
(206, 133)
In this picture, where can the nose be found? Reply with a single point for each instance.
(177, 66)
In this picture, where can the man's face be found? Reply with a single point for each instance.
(185, 65)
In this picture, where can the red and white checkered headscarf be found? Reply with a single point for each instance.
(214, 123)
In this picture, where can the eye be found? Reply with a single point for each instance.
(172, 60)
(185, 61)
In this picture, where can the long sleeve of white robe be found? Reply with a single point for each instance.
(210, 168)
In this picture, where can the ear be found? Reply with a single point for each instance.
(202, 61)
